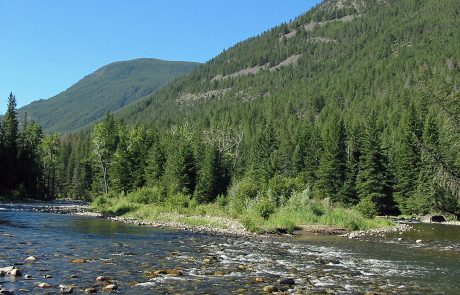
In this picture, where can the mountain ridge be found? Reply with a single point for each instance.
(107, 89)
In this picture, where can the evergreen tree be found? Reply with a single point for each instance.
(213, 177)
(155, 165)
(181, 171)
(333, 163)
(30, 164)
(408, 161)
(10, 147)
(373, 182)
(50, 150)
(353, 155)
(262, 154)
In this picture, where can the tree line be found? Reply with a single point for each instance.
(28, 158)
(348, 162)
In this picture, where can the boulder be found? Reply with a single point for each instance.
(14, 273)
(5, 270)
(432, 218)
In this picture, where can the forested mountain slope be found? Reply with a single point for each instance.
(351, 52)
(110, 88)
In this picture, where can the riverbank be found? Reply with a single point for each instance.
(240, 217)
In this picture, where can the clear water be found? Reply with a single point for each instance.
(217, 264)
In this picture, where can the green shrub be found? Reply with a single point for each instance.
(367, 208)
(178, 201)
(222, 201)
(244, 189)
(147, 195)
(282, 187)
(265, 207)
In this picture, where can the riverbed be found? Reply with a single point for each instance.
(128, 256)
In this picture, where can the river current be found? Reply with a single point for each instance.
(219, 264)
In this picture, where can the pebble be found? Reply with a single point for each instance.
(270, 289)
(101, 279)
(66, 289)
(111, 287)
(44, 285)
(30, 259)
(287, 281)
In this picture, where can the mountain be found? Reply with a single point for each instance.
(110, 88)
(355, 53)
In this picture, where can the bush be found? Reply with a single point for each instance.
(244, 189)
(367, 207)
(178, 201)
(222, 201)
(147, 195)
(265, 207)
(283, 187)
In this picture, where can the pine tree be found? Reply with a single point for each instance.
(155, 165)
(181, 170)
(408, 161)
(353, 155)
(261, 155)
(10, 147)
(30, 166)
(373, 182)
(332, 168)
(213, 177)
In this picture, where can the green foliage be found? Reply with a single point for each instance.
(244, 189)
(147, 195)
(265, 207)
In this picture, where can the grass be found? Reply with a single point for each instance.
(262, 214)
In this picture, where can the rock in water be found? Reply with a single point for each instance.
(287, 281)
(66, 289)
(15, 273)
(30, 259)
(44, 285)
(101, 279)
(6, 292)
(111, 287)
(90, 290)
(270, 289)
(5, 270)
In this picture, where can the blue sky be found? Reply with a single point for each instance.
(48, 45)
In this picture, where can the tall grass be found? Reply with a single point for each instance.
(263, 213)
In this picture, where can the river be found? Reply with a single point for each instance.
(218, 264)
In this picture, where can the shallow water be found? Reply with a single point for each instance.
(219, 264)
